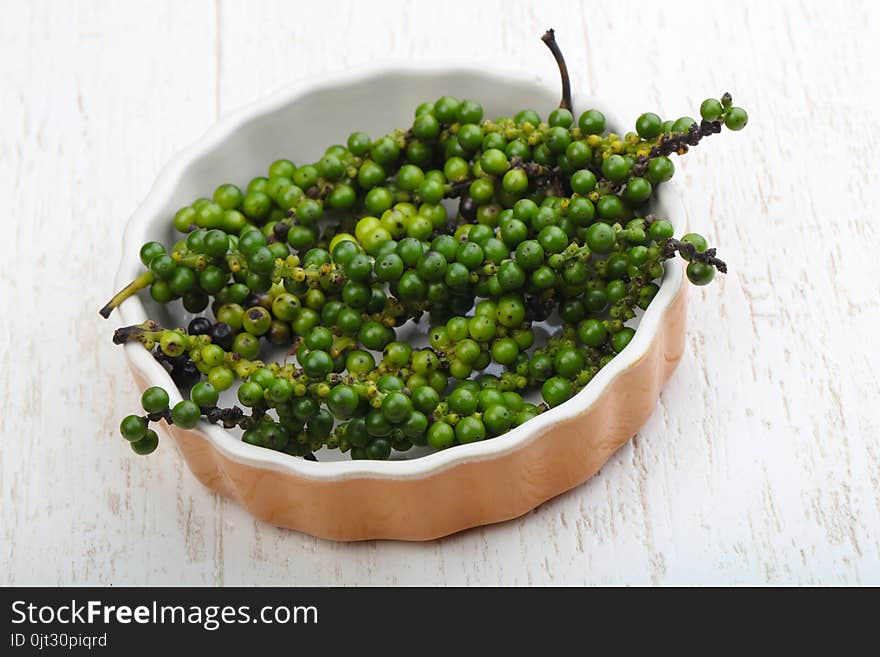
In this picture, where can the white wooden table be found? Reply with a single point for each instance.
(762, 462)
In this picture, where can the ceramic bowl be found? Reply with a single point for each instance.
(407, 498)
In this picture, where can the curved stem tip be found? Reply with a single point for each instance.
(549, 39)
(142, 281)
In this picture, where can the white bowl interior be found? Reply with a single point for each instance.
(300, 123)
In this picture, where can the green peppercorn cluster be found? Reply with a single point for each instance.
(328, 259)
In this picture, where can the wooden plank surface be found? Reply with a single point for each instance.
(761, 463)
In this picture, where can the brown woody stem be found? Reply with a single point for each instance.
(689, 250)
(549, 39)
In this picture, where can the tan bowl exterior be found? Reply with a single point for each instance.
(467, 494)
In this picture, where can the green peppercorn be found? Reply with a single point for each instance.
(556, 390)
(154, 400)
(133, 427)
(736, 118)
(186, 414)
(592, 122)
(700, 273)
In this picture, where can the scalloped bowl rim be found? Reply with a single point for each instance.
(132, 311)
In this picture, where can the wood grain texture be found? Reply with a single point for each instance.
(760, 465)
